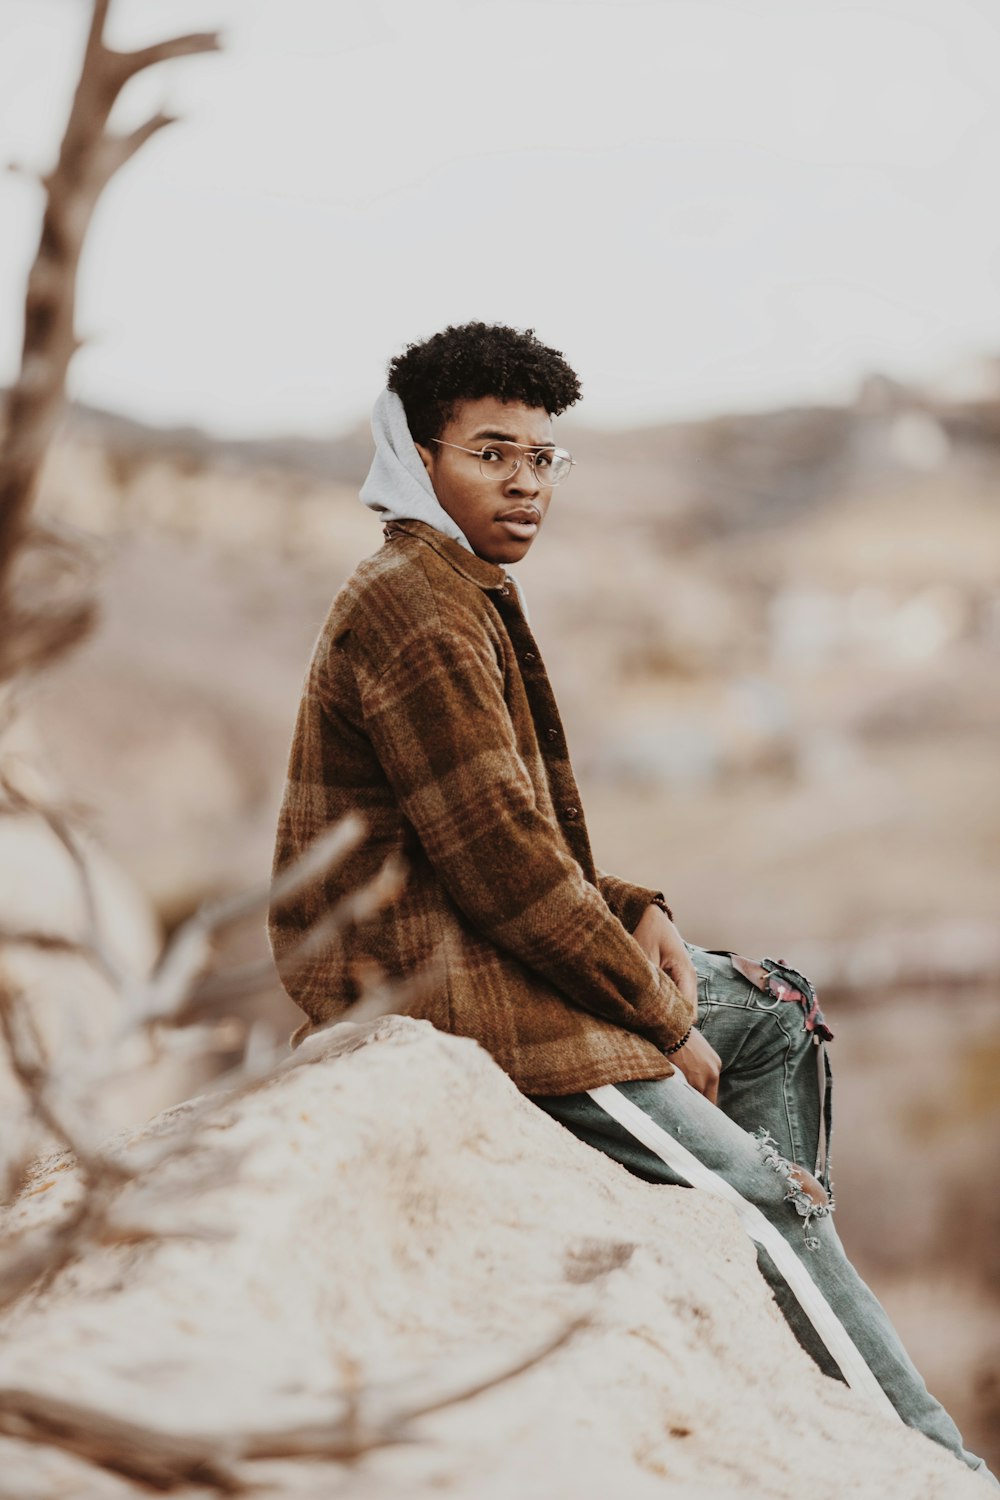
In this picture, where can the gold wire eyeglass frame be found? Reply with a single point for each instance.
(529, 454)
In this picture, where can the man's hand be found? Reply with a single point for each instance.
(701, 1065)
(659, 939)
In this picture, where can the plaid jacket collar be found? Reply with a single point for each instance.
(486, 574)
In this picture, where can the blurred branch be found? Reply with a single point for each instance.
(356, 906)
(92, 944)
(89, 156)
(170, 1460)
(125, 65)
(167, 992)
(45, 942)
(116, 150)
(43, 1254)
(27, 1059)
(63, 1104)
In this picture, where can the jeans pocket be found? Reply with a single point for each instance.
(721, 979)
(702, 967)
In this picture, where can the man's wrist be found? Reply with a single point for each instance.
(681, 1042)
(658, 900)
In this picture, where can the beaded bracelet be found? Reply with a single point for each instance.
(678, 1045)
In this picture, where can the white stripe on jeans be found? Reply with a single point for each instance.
(815, 1306)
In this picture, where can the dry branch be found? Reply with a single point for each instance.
(356, 906)
(167, 994)
(62, 1102)
(125, 65)
(166, 1461)
(89, 156)
(46, 942)
(91, 945)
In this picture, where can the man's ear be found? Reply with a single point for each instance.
(425, 458)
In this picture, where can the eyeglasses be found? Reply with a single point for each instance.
(501, 460)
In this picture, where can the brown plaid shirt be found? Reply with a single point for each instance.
(427, 709)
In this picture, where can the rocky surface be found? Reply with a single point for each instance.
(404, 1223)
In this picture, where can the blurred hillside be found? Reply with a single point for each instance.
(774, 638)
(774, 635)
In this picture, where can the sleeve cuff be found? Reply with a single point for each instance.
(635, 903)
(682, 1016)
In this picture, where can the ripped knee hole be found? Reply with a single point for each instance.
(810, 1199)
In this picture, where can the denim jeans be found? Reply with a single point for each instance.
(774, 1110)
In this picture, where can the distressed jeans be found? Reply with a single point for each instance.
(774, 1110)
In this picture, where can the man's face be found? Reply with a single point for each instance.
(478, 503)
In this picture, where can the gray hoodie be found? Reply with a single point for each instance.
(398, 486)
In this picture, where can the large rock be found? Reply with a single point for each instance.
(402, 1213)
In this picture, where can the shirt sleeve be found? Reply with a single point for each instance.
(438, 721)
(628, 901)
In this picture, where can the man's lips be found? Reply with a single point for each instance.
(522, 523)
(522, 513)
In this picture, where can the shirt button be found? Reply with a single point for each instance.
(529, 656)
(571, 812)
(503, 590)
(551, 734)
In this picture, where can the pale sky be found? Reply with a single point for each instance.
(705, 205)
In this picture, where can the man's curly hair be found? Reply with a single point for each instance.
(466, 362)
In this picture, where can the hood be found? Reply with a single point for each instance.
(398, 487)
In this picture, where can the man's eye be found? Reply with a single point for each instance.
(491, 455)
(543, 460)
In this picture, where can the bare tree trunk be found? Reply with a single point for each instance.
(89, 156)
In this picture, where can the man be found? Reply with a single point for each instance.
(428, 710)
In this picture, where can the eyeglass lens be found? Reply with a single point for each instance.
(499, 460)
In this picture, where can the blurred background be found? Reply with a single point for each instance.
(766, 237)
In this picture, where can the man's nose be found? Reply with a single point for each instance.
(523, 481)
